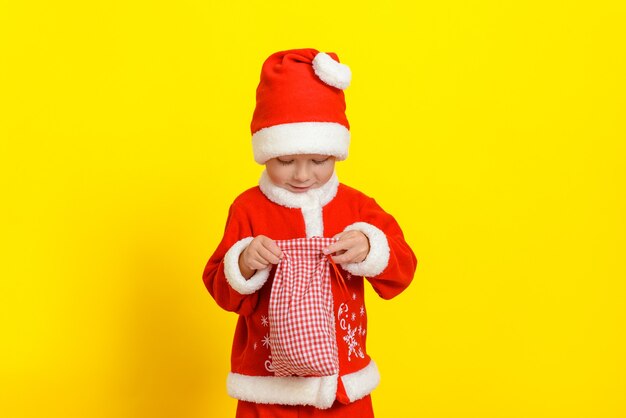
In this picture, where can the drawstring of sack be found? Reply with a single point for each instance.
(340, 280)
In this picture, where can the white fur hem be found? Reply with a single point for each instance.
(327, 138)
(378, 257)
(362, 382)
(233, 275)
(316, 391)
(294, 390)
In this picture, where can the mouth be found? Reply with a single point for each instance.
(300, 189)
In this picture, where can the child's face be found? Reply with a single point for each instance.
(301, 172)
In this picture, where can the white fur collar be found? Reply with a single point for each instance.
(317, 197)
(309, 202)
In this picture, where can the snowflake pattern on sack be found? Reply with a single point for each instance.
(352, 335)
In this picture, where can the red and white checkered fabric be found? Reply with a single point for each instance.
(302, 324)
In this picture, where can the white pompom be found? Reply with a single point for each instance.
(331, 72)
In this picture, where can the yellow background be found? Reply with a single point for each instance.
(493, 131)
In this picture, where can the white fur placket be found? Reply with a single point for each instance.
(310, 202)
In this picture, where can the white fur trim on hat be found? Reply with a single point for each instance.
(233, 274)
(378, 257)
(327, 138)
(331, 72)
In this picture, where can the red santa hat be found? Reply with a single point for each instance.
(300, 106)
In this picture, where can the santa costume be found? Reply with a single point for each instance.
(300, 109)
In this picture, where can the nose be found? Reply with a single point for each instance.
(301, 173)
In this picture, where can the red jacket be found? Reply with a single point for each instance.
(279, 214)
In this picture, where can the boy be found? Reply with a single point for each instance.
(299, 129)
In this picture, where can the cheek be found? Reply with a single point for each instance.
(325, 172)
(278, 173)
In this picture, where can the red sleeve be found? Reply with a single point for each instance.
(390, 264)
(221, 275)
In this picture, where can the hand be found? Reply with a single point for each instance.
(351, 247)
(260, 253)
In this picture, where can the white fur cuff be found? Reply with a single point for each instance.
(233, 275)
(378, 257)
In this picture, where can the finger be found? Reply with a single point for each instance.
(268, 256)
(260, 258)
(337, 253)
(271, 246)
(353, 256)
(250, 259)
(251, 255)
(345, 243)
(337, 246)
(257, 265)
(345, 257)
(339, 235)
(331, 248)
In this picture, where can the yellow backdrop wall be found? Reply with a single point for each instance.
(493, 131)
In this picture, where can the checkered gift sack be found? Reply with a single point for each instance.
(302, 323)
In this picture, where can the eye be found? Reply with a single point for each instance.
(284, 162)
(318, 162)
